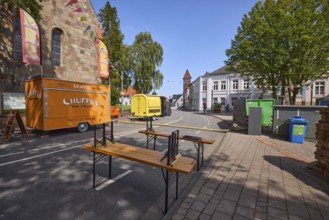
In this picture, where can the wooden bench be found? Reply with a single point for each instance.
(163, 160)
(197, 141)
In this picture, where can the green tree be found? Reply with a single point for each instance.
(157, 78)
(31, 6)
(282, 42)
(113, 39)
(145, 56)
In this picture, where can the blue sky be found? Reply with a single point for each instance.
(194, 34)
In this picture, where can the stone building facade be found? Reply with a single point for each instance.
(71, 28)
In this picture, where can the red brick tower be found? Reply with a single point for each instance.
(186, 82)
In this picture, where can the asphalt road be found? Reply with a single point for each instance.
(51, 177)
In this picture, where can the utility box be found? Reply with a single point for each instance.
(145, 105)
(255, 121)
(56, 104)
(267, 109)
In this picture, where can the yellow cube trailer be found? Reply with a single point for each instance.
(145, 105)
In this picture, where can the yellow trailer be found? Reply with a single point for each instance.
(56, 104)
(145, 105)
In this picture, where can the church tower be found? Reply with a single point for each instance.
(186, 82)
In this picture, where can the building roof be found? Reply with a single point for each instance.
(129, 91)
(187, 75)
(220, 71)
(176, 96)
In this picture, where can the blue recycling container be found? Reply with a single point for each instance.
(297, 129)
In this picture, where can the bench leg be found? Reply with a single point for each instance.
(202, 148)
(176, 185)
(199, 146)
(110, 167)
(155, 139)
(94, 169)
(167, 189)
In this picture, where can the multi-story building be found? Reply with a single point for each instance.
(223, 87)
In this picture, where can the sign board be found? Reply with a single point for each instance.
(10, 125)
(298, 129)
(13, 101)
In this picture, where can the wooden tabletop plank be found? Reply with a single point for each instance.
(142, 155)
(163, 134)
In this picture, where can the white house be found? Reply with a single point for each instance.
(223, 87)
(177, 101)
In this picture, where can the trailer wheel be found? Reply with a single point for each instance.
(83, 127)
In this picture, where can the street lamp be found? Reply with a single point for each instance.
(122, 93)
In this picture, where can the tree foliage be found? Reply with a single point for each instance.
(282, 42)
(113, 39)
(145, 56)
(31, 6)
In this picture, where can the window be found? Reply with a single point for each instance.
(222, 101)
(18, 53)
(235, 84)
(223, 85)
(246, 84)
(204, 87)
(56, 46)
(215, 100)
(216, 85)
(319, 88)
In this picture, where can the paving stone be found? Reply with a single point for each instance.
(277, 203)
(182, 211)
(279, 213)
(210, 209)
(247, 201)
(192, 214)
(250, 191)
(239, 217)
(297, 209)
(236, 187)
(203, 197)
(214, 201)
(198, 205)
(204, 217)
(207, 190)
(245, 212)
(221, 216)
(232, 195)
(294, 217)
(178, 217)
(226, 206)
(186, 205)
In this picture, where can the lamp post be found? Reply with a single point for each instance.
(122, 93)
(312, 82)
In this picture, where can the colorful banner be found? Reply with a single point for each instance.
(30, 38)
(103, 63)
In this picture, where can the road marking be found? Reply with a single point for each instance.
(41, 155)
(7, 155)
(54, 152)
(58, 145)
(108, 182)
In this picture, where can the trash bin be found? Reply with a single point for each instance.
(297, 129)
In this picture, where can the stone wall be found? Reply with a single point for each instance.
(79, 53)
(322, 145)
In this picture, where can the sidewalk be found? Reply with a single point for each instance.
(258, 177)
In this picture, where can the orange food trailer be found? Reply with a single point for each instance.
(56, 104)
